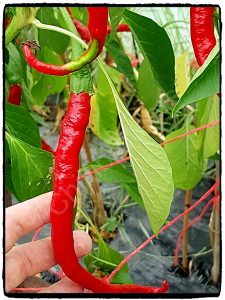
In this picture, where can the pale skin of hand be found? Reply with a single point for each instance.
(31, 258)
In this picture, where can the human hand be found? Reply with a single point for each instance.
(31, 258)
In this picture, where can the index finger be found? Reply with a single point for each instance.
(25, 217)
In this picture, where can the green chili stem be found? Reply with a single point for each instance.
(12, 31)
(40, 25)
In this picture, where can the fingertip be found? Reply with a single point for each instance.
(82, 242)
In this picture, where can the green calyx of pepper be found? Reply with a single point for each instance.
(24, 17)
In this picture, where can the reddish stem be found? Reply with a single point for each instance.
(191, 132)
(195, 220)
(169, 224)
(120, 161)
(35, 236)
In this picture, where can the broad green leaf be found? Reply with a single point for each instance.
(111, 224)
(156, 47)
(21, 125)
(150, 164)
(182, 73)
(29, 168)
(215, 156)
(119, 174)
(121, 59)
(116, 14)
(132, 190)
(148, 89)
(105, 116)
(106, 259)
(187, 167)
(208, 140)
(51, 39)
(115, 174)
(205, 82)
(48, 84)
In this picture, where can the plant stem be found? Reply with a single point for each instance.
(188, 196)
(12, 30)
(215, 233)
(164, 228)
(40, 25)
(99, 213)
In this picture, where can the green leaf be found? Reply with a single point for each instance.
(215, 156)
(111, 224)
(115, 174)
(156, 48)
(51, 39)
(151, 167)
(121, 59)
(105, 117)
(148, 89)
(116, 14)
(119, 174)
(14, 65)
(132, 190)
(106, 259)
(21, 125)
(187, 167)
(150, 164)
(205, 82)
(48, 84)
(182, 73)
(208, 140)
(29, 168)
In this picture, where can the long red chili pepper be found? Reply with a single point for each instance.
(97, 26)
(84, 32)
(202, 32)
(61, 213)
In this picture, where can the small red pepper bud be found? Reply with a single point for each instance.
(15, 93)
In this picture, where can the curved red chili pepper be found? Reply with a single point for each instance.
(97, 26)
(62, 206)
(41, 66)
(15, 93)
(202, 32)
